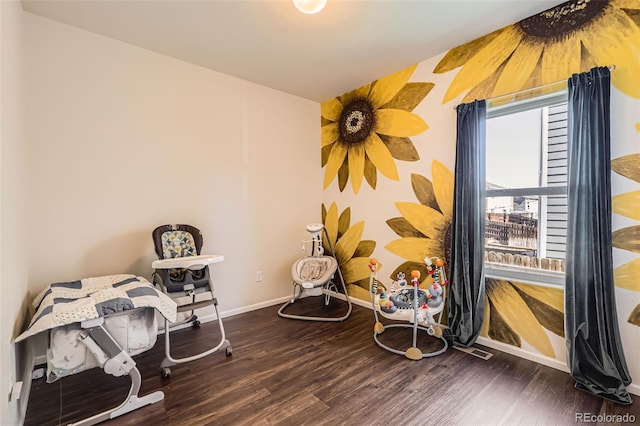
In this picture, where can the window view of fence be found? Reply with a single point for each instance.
(526, 203)
(524, 261)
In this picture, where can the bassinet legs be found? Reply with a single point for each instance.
(133, 402)
(117, 362)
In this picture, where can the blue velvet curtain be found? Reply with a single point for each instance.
(594, 350)
(467, 286)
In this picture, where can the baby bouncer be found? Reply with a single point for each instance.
(183, 274)
(314, 275)
(411, 304)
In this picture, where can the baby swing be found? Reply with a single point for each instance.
(183, 274)
(313, 276)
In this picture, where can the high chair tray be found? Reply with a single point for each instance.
(188, 262)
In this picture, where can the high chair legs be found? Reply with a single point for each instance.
(170, 361)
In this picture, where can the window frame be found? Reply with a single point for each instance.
(509, 272)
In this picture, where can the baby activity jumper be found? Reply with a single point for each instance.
(408, 302)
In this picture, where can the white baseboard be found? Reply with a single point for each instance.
(242, 309)
(278, 301)
(540, 359)
(256, 306)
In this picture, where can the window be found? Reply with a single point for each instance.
(526, 190)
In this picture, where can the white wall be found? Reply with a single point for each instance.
(13, 275)
(122, 140)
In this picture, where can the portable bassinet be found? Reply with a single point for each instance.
(100, 322)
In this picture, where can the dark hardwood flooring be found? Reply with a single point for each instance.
(292, 372)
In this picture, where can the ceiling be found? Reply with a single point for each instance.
(349, 43)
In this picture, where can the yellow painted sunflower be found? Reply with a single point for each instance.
(627, 166)
(517, 312)
(352, 254)
(550, 46)
(425, 227)
(366, 129)
(627, 204)
(627, 276)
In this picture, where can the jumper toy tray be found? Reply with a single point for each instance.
(406, 312)
(409, 303)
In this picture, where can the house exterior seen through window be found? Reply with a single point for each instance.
(526, 191)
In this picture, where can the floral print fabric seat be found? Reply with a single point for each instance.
(175, 241)
(178, 244)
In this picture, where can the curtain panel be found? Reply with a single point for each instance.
(594, 350)
(467, 285)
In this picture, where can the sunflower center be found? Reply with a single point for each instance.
(562, 19)
(356, 121)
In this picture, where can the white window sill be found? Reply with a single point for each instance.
(539, 277)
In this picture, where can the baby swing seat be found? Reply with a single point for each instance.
(314, 275)
(182, 273)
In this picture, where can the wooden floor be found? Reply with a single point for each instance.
(309, 373)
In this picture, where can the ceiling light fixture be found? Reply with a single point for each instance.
(309, 6)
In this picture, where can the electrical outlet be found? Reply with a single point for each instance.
(258, 276)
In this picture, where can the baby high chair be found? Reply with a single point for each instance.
(313, 275)
(183, 274)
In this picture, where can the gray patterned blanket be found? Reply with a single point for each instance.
(71, 302)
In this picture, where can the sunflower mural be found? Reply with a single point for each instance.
(572, 37)
(425, 227)
(367, 129)
(352, 253)
(627, 204)
(517, 312)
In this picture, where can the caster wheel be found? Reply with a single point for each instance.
(228, 351)
(196, 324)
(165, 372)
